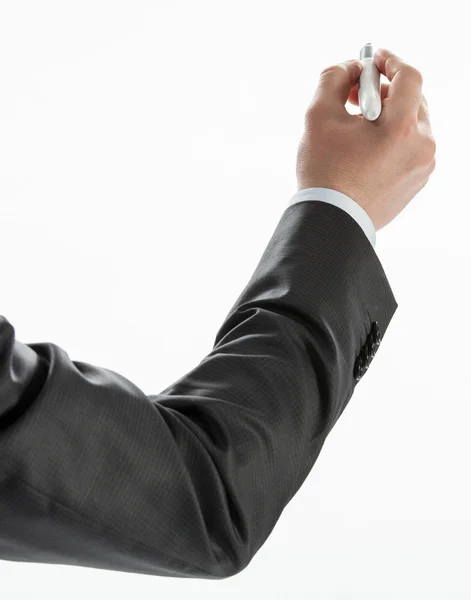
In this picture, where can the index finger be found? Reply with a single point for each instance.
(405, 90)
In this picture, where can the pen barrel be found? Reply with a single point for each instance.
(369, 90)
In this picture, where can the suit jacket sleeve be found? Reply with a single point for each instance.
(191, 482)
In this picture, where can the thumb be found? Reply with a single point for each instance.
(334, 87)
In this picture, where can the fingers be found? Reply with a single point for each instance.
(353, 98)
(401, 97)
(423, 114)
(334, 87)
(405, 90)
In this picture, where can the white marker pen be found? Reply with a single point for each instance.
(369, 89)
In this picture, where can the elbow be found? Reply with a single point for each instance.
(229, 568)
(227, 564)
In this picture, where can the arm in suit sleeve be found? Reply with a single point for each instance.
(191, 482)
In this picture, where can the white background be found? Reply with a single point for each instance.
(151, 146)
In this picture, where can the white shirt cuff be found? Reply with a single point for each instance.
(341, 201)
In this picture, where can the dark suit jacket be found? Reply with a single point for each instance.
(191, 482)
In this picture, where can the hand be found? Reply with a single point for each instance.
(380, 164)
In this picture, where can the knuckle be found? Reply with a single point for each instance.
(430, 146)
(310, 116)
(314, 116)
(428, 149)
(426, 156)
(330, 69)
(405, 128)
(424, 183)
(414, 74)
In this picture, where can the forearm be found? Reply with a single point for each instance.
(190, 482)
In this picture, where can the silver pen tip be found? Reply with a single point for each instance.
(367, 51)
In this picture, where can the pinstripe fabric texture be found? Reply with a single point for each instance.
(190, 482)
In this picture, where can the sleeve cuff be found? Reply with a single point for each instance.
(341, 201)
